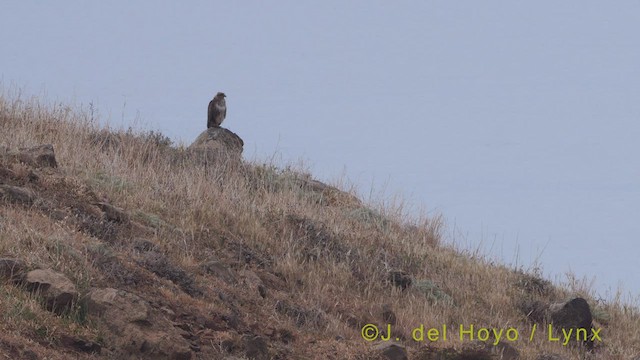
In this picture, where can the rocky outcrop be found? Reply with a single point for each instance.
(219, 270)
(37, 156)
(135, 331)
(216, 144)
(41, 156)
(58, 292)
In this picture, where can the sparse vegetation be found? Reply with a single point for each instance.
(225, 252)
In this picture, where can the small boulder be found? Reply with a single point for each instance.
(113, 213)
(57, 290)
(118, 306)
(253, 281)
(574, 314)
(37, 156)
(217, 144)
(570, 315)
(400, 279)
(219, 270)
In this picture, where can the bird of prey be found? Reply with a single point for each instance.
(217, 110)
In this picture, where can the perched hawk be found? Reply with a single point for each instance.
(217, 110)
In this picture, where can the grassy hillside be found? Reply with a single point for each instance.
(243, 259)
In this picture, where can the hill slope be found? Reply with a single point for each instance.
(173, 257)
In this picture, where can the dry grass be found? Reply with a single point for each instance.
(331, 258)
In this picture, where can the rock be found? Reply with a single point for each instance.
(392, 350)
(219, 270)
(113, 213)
(400, 279)
(133, 329)
(573, 314)
(17, 195)
(118, 306)
(57, 290)
(255, 347)
(570, 315)
(11, 269)
(37, 156)
(253, 281)
(217, 144)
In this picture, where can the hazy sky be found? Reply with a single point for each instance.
(519, 121)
